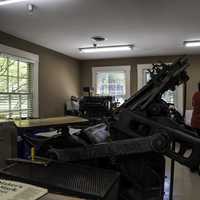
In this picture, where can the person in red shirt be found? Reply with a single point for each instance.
(195, 122)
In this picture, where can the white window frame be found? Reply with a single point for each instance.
(125, 68)
(31, 58)
(140, 84)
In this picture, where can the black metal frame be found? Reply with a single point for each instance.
(142, 130)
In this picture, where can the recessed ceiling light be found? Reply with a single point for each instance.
(5, 2)
(106, 49)
(195, 43)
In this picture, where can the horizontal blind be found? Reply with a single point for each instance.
(112, 83)
(16, 95)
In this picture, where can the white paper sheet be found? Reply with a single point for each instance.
(12, 190)
(50, 134)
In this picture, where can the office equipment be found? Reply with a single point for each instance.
(96, 107)
(72, 106)
(88, 90)
(141, 131)
(27, 128)
(67, 179)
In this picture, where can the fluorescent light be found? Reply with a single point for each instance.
(106, 49)
(195, 43)
(5, 2)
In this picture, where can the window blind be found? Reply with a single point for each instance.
(111, 83)
(16, 95)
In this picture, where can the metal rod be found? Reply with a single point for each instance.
(171, 190)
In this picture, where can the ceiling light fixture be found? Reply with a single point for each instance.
(106, 49)
(5, 2)
(194, 43)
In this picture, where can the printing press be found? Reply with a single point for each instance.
(131, 142)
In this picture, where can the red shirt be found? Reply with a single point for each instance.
(195, 122)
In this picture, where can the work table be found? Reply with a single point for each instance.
(45, 122)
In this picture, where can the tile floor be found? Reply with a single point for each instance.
(186, 184)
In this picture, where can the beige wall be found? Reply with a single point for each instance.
(58, 76)
(193, 71)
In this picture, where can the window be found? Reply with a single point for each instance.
(169, 96)
(112, 81)
(172, 97)
(17, 92)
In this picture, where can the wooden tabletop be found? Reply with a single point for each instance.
(54, 121)
(5, 120)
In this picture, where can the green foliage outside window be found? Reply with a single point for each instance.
(15, 87)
